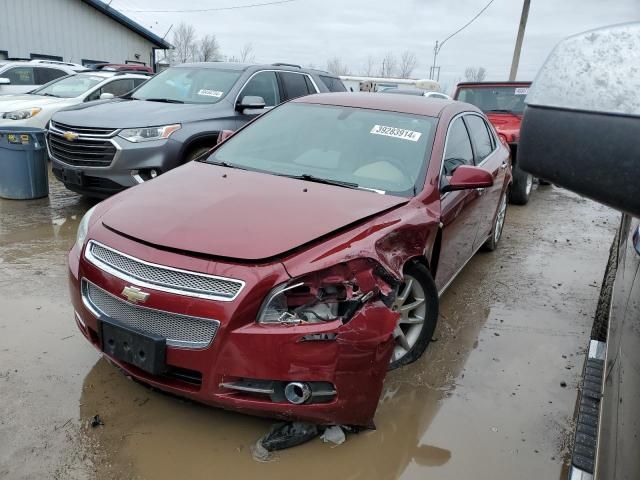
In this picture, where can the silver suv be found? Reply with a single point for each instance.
(23, 76)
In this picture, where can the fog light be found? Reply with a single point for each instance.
(297, 392)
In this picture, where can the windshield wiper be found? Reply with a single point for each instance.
(165, 100)
(327, 181)
(48, 95)
(220, 164)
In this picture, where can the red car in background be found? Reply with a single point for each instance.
(284, 273)
(503, 104)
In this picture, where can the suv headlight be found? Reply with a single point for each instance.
(146, 134)
(22, 114)
(83, 228)
(333, 294)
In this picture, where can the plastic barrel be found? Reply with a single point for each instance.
(23, 163)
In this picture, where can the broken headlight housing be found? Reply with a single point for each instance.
(333, 294)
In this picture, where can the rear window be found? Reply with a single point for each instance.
(507, 99)
(333, 84)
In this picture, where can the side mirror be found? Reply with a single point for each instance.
(467, 177)
(224, 134)
(5, 81)
(106, 96)
(582, 117)
(251, 105)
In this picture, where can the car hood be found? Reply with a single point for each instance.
(17, 102)
(237, 214)
(121, 113)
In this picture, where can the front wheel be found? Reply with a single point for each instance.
(417, 303)
(522, 185)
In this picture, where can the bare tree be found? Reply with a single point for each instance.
(388, 65)
(184, 42)
(369, 66)
(208, 49)
(337, 66)
(408, 62)
(246, 54)
(475, 74)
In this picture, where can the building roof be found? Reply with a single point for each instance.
(128, 23)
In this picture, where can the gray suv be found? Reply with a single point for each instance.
(100, 148)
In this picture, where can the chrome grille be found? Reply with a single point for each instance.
(83, 130)
(81, 151)
(179, 330)
(163, 278)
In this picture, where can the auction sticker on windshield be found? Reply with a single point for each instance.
(522, 91)
(396, 133)
(210, 93)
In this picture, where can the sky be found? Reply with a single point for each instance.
(309, 32)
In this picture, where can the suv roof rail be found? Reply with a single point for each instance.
(125, 72)
(280, 64)
(54, 62)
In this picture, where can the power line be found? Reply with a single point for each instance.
(468, 23)
(217, 9)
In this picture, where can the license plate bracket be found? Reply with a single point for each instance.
(144, 350)
(73, 177)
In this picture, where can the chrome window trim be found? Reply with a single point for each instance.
(170, 342)
(446, 142)
(315, 85)
(91, 258)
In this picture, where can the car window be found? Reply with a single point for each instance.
(189, 85)
(294, 85)
(69, 87)
(480, 138)
(458, 151)
(19, 75)
(507, 99)
(333, 84)
(139, 81)
(119, 87)
(265, 85)
(45, 75)
(386, 151)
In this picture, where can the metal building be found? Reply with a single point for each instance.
(78, 31)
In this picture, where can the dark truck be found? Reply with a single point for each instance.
(580, 131)
(503, 104)
(100, 148)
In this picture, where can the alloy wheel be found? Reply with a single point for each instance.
(411, 305)
(502, 213)
(529, 184)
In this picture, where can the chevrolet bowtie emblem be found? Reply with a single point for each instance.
(134, 294)
(70, 136)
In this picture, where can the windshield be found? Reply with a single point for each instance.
(188, 85)
(370, 149)
(69, 87)
(488, 99)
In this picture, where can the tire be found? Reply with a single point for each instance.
(498, 224)
(543, 182)
(521, 188)
(412, 339)
(195, 153)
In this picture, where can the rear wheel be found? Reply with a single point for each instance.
(496, 232)
(417, 303)
(522, 186)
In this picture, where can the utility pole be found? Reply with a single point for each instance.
(516, 52)
(435, 56)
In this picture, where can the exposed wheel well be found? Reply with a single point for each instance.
(206, 141)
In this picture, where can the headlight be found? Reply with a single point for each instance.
(83, 228)
(146, 134)
(22, 114)
(333, 294)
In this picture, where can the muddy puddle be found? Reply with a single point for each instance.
(485, 401)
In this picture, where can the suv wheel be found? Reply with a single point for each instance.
(496, 232)
(417, 303)
(522, 185)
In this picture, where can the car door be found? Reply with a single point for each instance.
(460, 210)
(21, 78)
(487, 156)
(261, 84)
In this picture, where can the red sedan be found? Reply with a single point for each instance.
(285, 273)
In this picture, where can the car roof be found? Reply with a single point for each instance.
(257, 66)
(428, 107)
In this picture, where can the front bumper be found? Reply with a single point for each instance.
(354, 362)
(160, 155)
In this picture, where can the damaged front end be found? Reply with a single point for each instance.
(329, 338)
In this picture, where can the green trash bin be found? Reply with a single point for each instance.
(23, 163)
